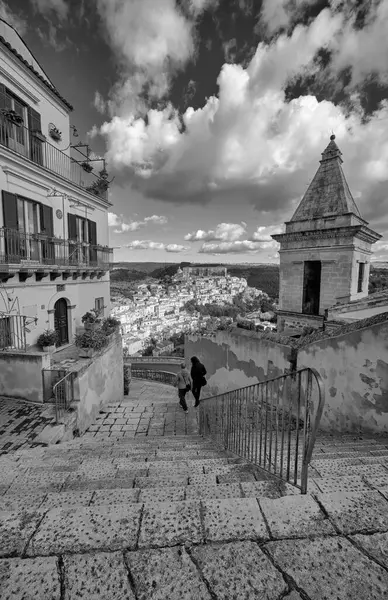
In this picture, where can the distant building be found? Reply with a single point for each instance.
(189, 272)
(326, 248)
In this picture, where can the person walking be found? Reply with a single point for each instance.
(183, 383)
(198, 373)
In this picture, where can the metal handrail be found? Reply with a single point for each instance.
(176, 360)
(63, 392)
(161, 376)
(33, 146)
(269, 423)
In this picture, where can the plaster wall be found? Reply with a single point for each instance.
(37, 299)
(100, 383)
(21, 375)
(237, 359)
(354, 369)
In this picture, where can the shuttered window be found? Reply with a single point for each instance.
(46, 220)
(10, 210)
(72, 226)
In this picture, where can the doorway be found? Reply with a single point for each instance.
(61, 321)
(311, 287)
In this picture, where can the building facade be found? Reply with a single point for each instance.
(326, 249)
(54, 254)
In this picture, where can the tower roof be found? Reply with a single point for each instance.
(328, 194)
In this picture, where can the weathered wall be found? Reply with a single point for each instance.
(234, 359)
(21, 375)
(354, 369)
(101, 382)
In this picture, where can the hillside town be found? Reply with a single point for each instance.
(158, 310)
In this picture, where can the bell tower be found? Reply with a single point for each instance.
(325, 250)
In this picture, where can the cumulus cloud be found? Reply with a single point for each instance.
(123, 227)
(227, 232)
(59, 7)
(264, 233)
(237, 247)
(15, 20)
(198, 6)
(280, 14)
(149, 245)
(99, 103)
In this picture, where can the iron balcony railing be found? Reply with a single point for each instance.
(32, 146)
(160, 376)
(18, 247)
(13, 332)
(272, 424)
(63, 392)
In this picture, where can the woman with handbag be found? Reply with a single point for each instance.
(183, 383)
(198, 373)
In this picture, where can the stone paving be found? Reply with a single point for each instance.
(131, 514)
(21, 422)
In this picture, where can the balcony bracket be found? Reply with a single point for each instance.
(85, 274)
(25, 274)
(66, 275)
(5, 276)
(41, 274)
(54, 275)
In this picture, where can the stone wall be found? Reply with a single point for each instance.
(99, 383)
(353, 363)
(237, 358)
(297, 321)
(21, 375)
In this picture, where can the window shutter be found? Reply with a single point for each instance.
(72, 226)
(3, 97)
(10, 210)
(92, 233)
(34, 122)
(46, 220)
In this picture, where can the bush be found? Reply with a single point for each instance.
(96, 339)
(92, 316)
(110, 323)
(47, 338)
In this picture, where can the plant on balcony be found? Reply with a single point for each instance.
(90, 342)
(91, 319)
(110, 324)
(55, 134)
(12, 116)
(98, 187)
(87, 166)
(47, 340)
(103, 174)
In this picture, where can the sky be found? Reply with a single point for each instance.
(213, 114)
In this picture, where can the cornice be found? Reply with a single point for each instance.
(358, 231)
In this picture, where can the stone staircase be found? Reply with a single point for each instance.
(174, 517)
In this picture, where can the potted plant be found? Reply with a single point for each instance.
(90, 342)
(47, 340)
(110, 324)
(12, 116)
(55, 134)
(91, 319)
(87, 166)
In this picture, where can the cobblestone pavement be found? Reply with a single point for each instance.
(137, 516)
(21, 422)
(150, 409)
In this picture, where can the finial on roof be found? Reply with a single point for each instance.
(332, 137)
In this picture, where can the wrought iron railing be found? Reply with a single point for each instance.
(160, 376)
(154, 359)
(64, 395)
(37, 249)
(32, 146)
(13, 332)
(272, 424)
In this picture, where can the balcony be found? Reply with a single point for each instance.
(27, 253)
(33, 146)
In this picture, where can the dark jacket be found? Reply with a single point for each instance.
(198, 371)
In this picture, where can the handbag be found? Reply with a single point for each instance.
(203, 381)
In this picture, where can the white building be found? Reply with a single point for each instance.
(54, 255)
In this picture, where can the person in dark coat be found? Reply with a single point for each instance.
(198, 373)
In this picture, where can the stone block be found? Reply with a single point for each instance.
(239, 570)
(162, 494)
(99, 575)
(169, 524)
(16, 528)
(67, 499)
(355, 512)
(347, 483)
(233, 519)
(85, 529)
(146, 482)
(166, 573)
(25, 579)
(295, 516)
(120, 496)
(210, 491)
(16, 503)
(376, 545)
(260, 489)
(331, 568)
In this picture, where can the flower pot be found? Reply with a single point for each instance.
(49, 349)
(86, 352)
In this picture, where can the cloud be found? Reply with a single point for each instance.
(227, 232)
(15, 20)
(264, 233)
(149, 245)
(198, 6)
(237, 247)
(280, 14)
(123, 227)
(46, 7)
(99, 103)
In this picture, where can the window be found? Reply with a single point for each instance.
(361, 272)
(99, 305)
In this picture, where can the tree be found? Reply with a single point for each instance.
(148, 351)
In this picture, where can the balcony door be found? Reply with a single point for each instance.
(61, 324)
(16, 134)
(82, 234)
